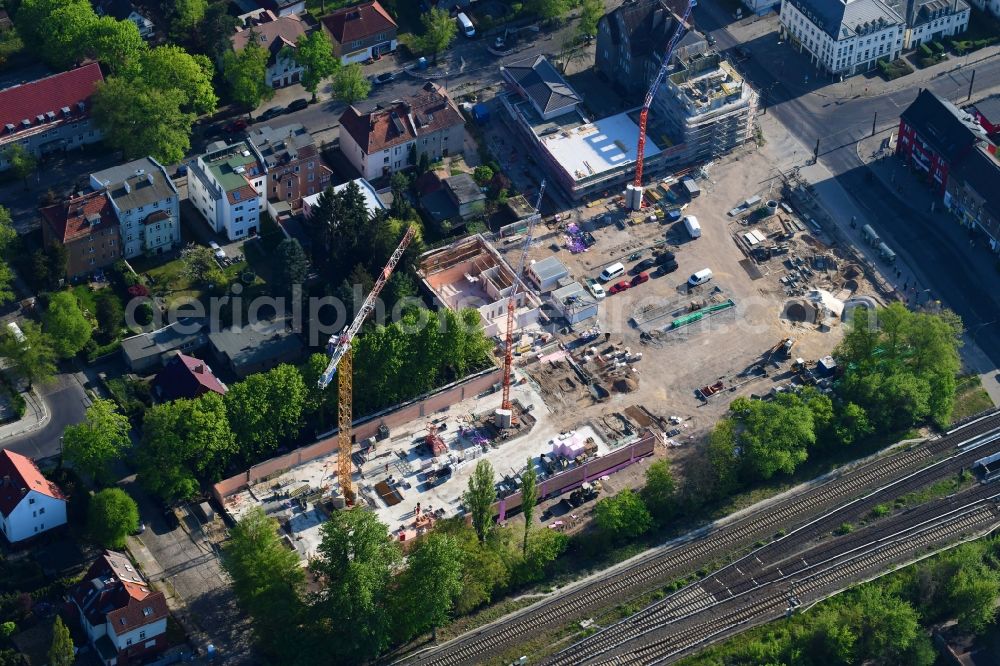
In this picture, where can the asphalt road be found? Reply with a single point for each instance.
(926, 242)
(67, 405)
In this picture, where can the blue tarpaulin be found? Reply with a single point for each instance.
(480, 113)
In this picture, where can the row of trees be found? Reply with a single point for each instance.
(884, 622)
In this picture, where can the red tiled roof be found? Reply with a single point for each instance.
(68, 220)
(53, 93)
(114, 591)
(426, 112)
(187, 377)
(245, 192)
(358, 22)
(18, 475)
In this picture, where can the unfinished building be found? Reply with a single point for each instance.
(707, 107)
(470, 273)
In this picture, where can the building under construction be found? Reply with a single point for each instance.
(706, 106)
(470, 273)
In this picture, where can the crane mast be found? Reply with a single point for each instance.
(342, 362)
(508, 353)
(651, 93)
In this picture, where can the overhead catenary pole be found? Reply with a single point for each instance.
(972, 80)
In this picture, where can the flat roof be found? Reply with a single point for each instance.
(598, 146)
(548, 268)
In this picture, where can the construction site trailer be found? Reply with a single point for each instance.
(691, 187)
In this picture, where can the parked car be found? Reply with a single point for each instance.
(639, 279)
(236, 126)
(665, 258)
(701, 277)
(273, 112)
(619, 286)
(664, 269)
(596, 289)
(643, 265)
(384, 77)
(710, 39)
(298, 104)
(216, 250)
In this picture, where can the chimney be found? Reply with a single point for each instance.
(200, 368)
(149, 177)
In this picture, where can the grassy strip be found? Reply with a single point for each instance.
(970, 398)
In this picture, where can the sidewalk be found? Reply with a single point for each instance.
(36, 416)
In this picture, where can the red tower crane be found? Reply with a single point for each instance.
(651, 93)
(508, 352)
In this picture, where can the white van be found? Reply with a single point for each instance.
(692, 226)
(16, 331)
(701, 277)
(611, 272)
(466, 24)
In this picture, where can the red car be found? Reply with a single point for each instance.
(640, 278)
(620, 286)
(237, 125)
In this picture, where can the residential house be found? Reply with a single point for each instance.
(387, 139)
(972, 193)
(987, 113)
(30, 504)
(123, 10)
(547, 273)
(455, 200)
(124, 619)
(284, 7)
(85, 224)
(185, 376)
(255, 347)
(293, 163)
(228, 186)
(538, 81)
(843, 38)
(146, 204)
(935, 135)
(361, 32)
(148, 351)
(373, 202)
(49, 114)
(931, 20)
(278, 36)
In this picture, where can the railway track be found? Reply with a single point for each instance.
(704, 546)
(663, 641)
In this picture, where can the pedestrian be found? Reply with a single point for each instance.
(387, 468)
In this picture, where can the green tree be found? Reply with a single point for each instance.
(775, 435)
(350, 83)
(34, 358)
(831, 641)
(215, 31)
(886, 624)
(32, 19)
(6, 282)
(183, 440)
(139, 119)
(265, 409)
(290, 266)
(22, 162)
(199, 263)
(116, 44)
(529, 497)
(318, 400)
(851, 424)
(111, 516)
(482, 175)
(973, 593)
(8, 234)
(439, 31)
(61, 651)
(356, 558)
(432, 580)
(170, 67)
(590, 14)
(314, 53)
(7, 629)
(93, 446)
(267, 580)
(479, 498)
(66, 324)
(623, 515)
(68, 31)
(246, 73)
(659, 492)
(486, 568)
(187, 15)
(109, 315)
(549, 10)
(545, 547)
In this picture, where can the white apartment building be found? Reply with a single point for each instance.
(228, 186)
(146, 203)
(930, 20)
(843, 38)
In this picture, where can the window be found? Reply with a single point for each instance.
(142, 634)
(310, 165)
(41, 511)
(311, 176)
(128, 641)
(31, 500)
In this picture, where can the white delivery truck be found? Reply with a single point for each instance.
(612, 271)
(466, 24)
(692, 226)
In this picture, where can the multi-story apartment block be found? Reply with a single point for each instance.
(146, 204)
(972, 193)
(294, 167)
(49, 114)
(930, 20)
(85, 224)
(278, 36)
(227, 185)
(361, 32)
(386, 139)
(843, 38)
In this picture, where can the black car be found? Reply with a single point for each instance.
(643, 265)
(273, 112)
(384, 77)
(298, 105)
(663, 269)
(664, 258)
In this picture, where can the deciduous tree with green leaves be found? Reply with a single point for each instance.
(116, 44)
(549, 10)
(432, 580)
(659, 492)
(139, 119)
(67, 33)
(170, 67)
(591, 12)
(61, 652)
(265, 409)
(479, 498)
(314, 53)
(439, 31)
(187, 16)
(93, 446)
(246, 73)
(22, 162)
(623, 515)
(350, 83)
(290, 266)
(66, 324)
(111, 516)
(529, 497)
(32, 359)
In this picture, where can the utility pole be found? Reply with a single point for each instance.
(816, 152)
(873, 123)
(971, 81)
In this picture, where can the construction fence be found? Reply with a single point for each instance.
(391, 417)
